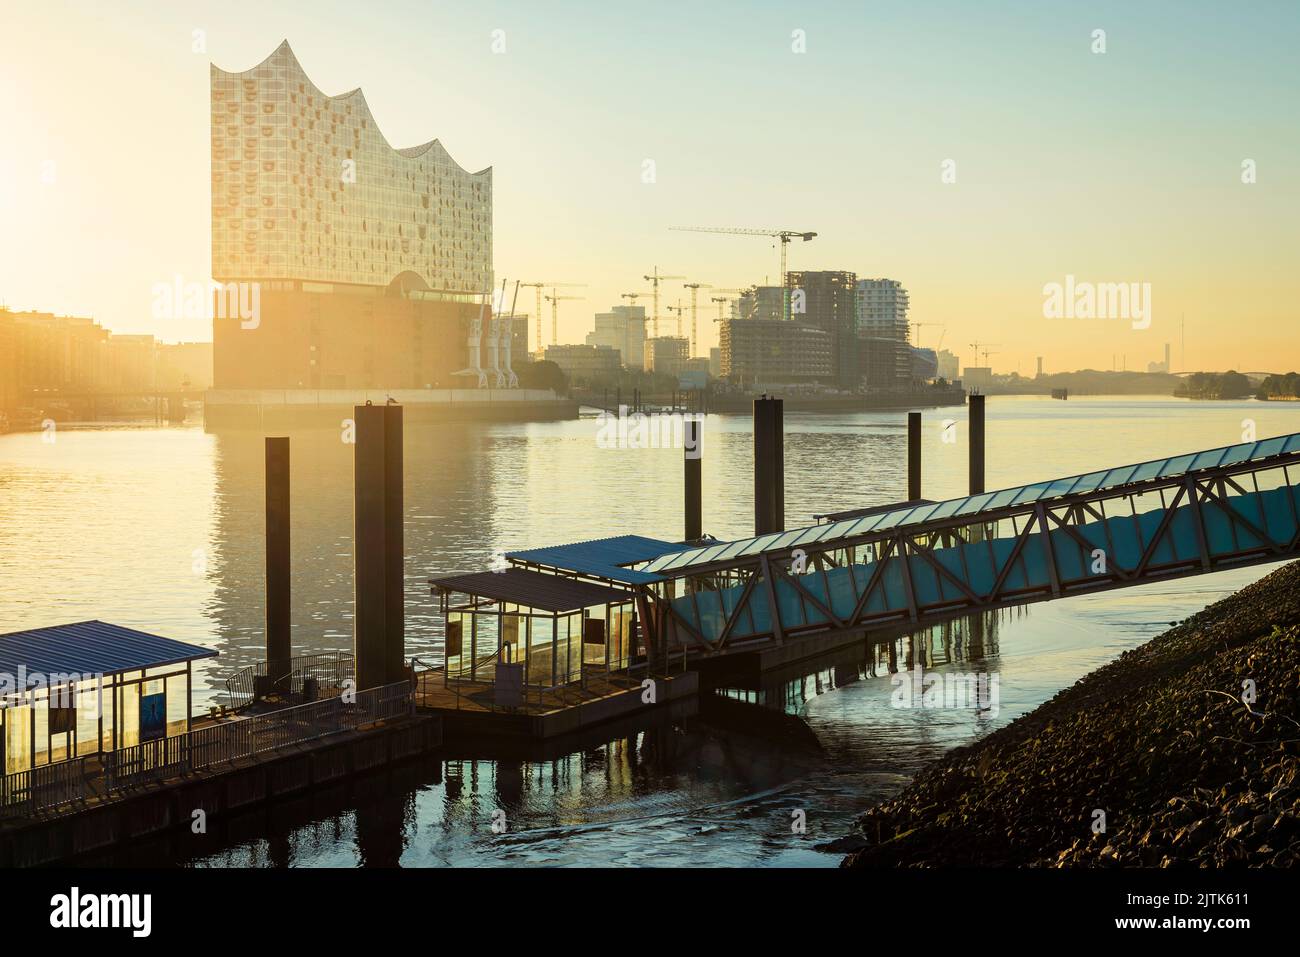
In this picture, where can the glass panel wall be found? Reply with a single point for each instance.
(541, 651)
(595, 635)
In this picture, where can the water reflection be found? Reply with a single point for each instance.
(448, 504)
(106, 523)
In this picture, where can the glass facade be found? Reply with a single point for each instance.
(304, 186)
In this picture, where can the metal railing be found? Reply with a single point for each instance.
(574, 689)
(25, 792)
(330, 668)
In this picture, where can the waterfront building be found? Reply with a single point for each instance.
(760, 302)
(583, 361)
(667, 354)
(762, 352)
(977, 377)
(949, 365)
(43, 355)
(827, 299)
(623, 329)
(371, 262)
(694, 373)
(925, 364)
(881, 316)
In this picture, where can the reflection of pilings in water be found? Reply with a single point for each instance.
(278, 849)
(968, 638)
(509, 784)
(380, 830)
(477, 787)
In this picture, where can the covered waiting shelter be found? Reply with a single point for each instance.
(555, 627)
(72, 690)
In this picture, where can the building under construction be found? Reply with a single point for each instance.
(825, 327)
(763, 352)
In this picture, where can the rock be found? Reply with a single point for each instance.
(1140, 739)
(843, 845)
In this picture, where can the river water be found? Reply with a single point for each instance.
(162, 529)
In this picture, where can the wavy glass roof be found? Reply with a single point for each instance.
(973, 505)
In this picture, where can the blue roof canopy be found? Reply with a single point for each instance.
(602, 557)
(91, 648)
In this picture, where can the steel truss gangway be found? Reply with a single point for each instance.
(924, 562)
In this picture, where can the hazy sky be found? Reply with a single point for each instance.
(1124, 166)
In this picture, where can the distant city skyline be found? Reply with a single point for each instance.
(974, 155)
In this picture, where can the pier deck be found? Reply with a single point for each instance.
(470, 707)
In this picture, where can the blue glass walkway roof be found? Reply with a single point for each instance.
(602, 557)
(972, 505)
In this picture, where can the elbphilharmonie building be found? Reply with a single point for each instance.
(305, 187)
(372, 263)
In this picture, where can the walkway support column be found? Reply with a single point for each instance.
(769, 466)
(976, 444)
(278, 644)
(379, 646)
(913, 456)
(693, 434)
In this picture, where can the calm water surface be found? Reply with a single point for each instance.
(161, 529)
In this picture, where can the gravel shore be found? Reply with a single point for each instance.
(1160, 741)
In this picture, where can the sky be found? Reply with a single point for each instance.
(1122, 166)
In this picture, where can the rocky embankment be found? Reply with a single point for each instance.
(1160, 740)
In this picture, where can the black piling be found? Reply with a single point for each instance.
(913, 456)
(769, 466)
(692, 443)
(976, 444)
(278, 614)
(379, 620)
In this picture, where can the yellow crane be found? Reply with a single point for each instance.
(655, 279)
(783, 235)
(679, 309)
(695, 287)
(555, 300)
(632, 297)
(724, 296)
(539, 286)
(921, 325)
(976, 347)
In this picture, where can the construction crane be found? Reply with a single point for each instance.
(921, 325)
(655, 279)
(784, 235)
(695, 287)
(555, 300)
(679, 309)
(539, 286)
(976, 347)
(724, 295)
